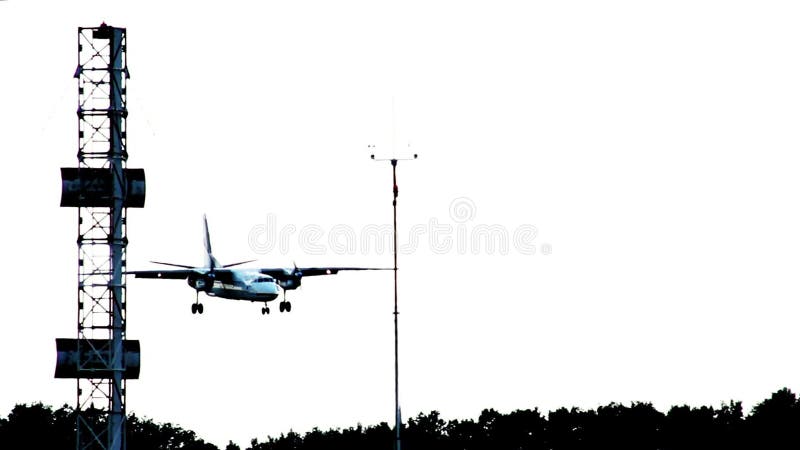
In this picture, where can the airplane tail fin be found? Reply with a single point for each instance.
(211, 261)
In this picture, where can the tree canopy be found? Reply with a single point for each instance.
(772, 424)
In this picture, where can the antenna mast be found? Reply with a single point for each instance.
(397, 416)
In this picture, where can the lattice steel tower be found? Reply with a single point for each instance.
(102, 189)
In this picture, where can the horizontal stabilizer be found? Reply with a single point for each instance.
(182, 266)
(238, 263)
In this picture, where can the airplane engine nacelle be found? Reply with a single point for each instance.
(200, 282)
(290, 283)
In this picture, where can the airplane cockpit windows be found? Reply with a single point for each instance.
(263, 280)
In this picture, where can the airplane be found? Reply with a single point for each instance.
(255, 285)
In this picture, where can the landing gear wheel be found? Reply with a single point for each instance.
(265, 310)
(282, 306)
(199, 308)
(288, 307)
(194, 308)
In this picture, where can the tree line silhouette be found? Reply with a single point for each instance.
(772, 424)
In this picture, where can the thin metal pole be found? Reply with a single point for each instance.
(117, 157)
(397, 420)
(397, 417)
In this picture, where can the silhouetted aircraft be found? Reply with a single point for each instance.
(255, 285)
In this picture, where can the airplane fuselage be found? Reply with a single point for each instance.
(236, 292)
(245, 285)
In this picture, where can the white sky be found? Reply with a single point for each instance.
(652, 144)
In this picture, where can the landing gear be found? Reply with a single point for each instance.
(265, 310)
(285, 305)
(197, 307)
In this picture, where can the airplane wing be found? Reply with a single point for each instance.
(283, 274)
(223, 275)
(165, 274)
